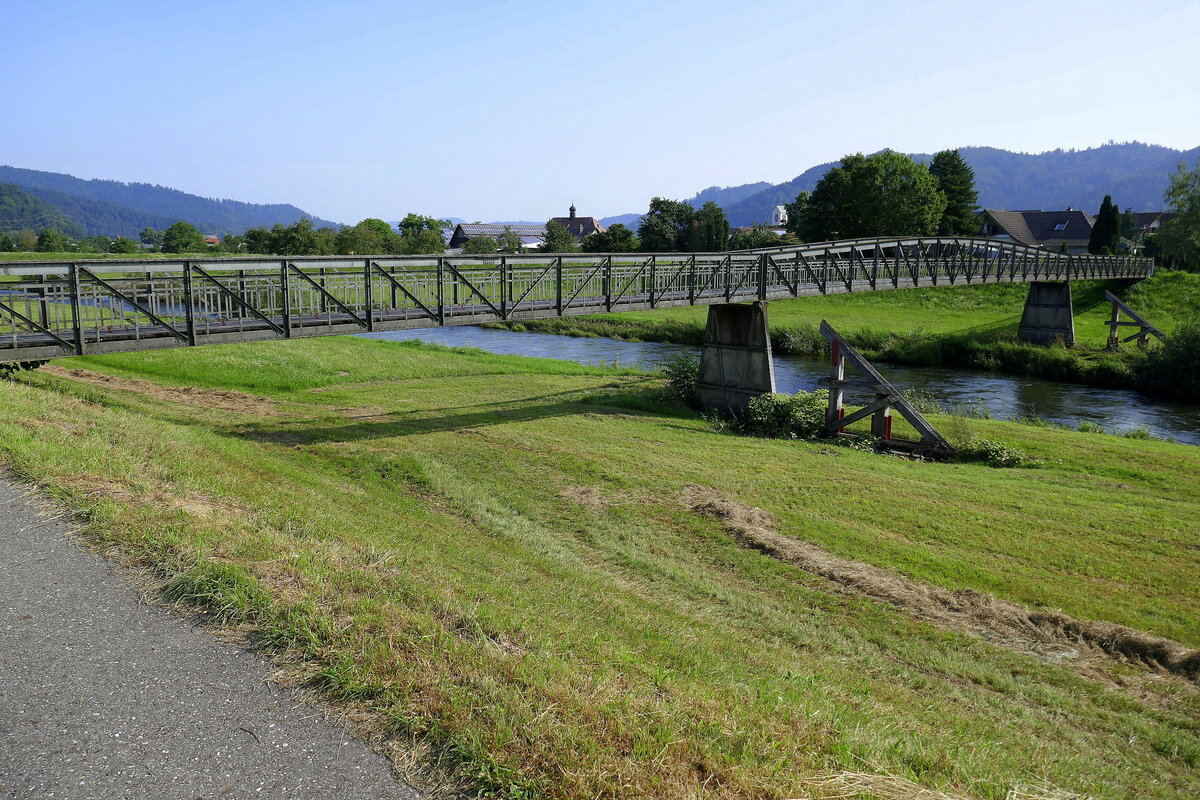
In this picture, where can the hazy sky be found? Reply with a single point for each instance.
(492, 110)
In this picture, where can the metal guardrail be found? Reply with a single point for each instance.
(52, 309)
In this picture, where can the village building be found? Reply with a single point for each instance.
(1068, 230)
(579, 227)
(1151, 221)
(531, 235)
(779, 217)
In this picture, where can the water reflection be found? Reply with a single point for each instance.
(1004, 396)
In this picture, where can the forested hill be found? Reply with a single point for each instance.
(123, 209)
(20, 210)
(1135, 174)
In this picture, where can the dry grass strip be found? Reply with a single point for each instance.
(891, 787)
(238, 402)
(1046, 632)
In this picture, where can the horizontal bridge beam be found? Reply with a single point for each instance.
(104, 306)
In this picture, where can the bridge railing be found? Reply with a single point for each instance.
(56, 308)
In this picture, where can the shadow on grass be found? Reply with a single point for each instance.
(447, 419)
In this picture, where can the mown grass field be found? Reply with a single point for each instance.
(492, 554)
(1166, 299)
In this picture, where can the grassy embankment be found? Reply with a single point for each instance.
(498, 556)
(966, 326)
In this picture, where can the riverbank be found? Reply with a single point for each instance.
(566, 587)
(972, 327)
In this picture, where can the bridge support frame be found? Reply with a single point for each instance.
(887, 398)
(1144, 328)
(735, 364)
(1049, 315)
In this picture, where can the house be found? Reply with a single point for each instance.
(1150, 221)
(212, 240)
(779, 217)
(579, 226)
(1068, 230)
(531, 235)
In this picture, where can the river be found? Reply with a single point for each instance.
(1004, 396)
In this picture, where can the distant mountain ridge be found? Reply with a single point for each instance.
(114, 208)
(1134, 173)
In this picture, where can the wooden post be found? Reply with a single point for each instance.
(837, 374)
(881, 420)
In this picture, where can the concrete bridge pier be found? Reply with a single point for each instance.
(1048, 315)
(735, 364)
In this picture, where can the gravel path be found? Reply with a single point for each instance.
(102, 696)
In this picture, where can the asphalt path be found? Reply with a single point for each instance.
(103, 696)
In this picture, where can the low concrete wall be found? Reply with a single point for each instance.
(736, 362)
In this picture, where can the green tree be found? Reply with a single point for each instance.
(297, 239)
(617, 239)
(27, 240)
(1106, 232)
(1131, 226)
(1178, 238)
(509, 242)
(708, 231)
(259, 241)
(795, 215)
(480, 245)
(666, 226)
(7, 243)
(371, 236)
(558, 239)
(124, 246)
(183, 237)
(957, 181)
(232, 244)
(94, 244)
(51, 241)
(152, 237)
(421, 235)
(755, 238)
(887, 194)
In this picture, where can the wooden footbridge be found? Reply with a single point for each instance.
(54, 309)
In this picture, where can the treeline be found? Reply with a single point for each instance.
(416, 234)
(880, 195)
(413, 235)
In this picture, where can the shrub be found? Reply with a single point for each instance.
(971, 409)
(1174, 367)
(924, 401)
(801, 341)
(796, 416)
(1090, 427)
(12, 368)
(995, 454)
(1140, 432)
(681, 373)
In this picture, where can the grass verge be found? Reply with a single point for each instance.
(497, 556)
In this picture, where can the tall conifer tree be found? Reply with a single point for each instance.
(957, 181)
(1106, 233)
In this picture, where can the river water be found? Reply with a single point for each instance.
(1004, 396)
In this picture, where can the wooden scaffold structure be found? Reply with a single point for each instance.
(886, 399)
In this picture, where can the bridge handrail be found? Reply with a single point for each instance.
(810, 249)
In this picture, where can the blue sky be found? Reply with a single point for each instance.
(489, 110)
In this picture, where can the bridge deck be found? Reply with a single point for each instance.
(52, 309)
